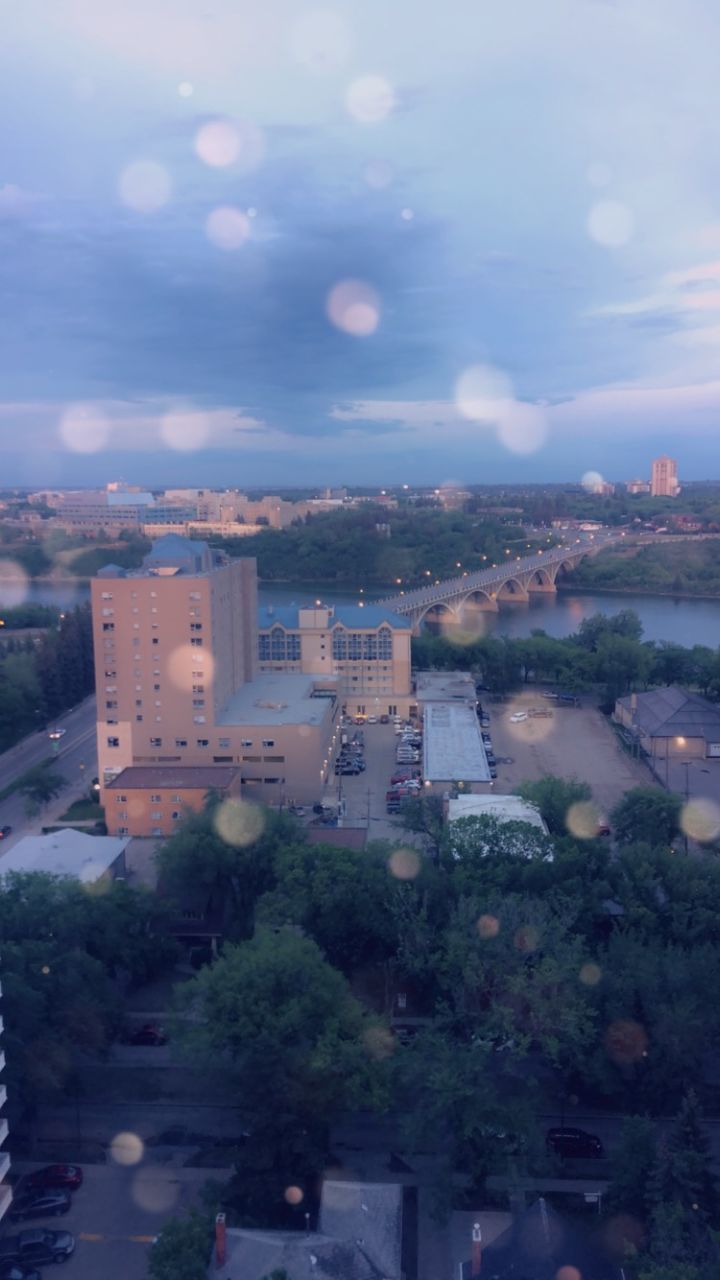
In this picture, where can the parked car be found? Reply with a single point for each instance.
(149, 1033)
(493, 772)
(56, 1175)
(360, 719)
(405, 771)
(37, 1246)
(40, 1204)
(5, 831)
(372, 720)
(518, 716)
(549, 694)
(384, 719)
(574, 1144)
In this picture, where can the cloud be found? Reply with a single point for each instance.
(16, 201)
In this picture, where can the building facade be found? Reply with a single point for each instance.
(5, 1188)
(177, 685)
(664, 482)
(364, 647)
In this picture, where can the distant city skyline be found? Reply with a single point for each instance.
(271, 244)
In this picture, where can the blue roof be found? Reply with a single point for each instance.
(353, 616)
(172, 544)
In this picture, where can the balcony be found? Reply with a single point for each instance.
(2, 1060)
(3, 1129)
(4, 1165)
(3, 1096)
(5, 1199)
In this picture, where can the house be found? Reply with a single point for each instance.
(671, 722)
(69, 853)
(359, 1237)
(543, 1245)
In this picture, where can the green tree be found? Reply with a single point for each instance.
(649, 815)
(424, 815)
(39, 786)
(631, 1165)
(553, 797)
(295, 1038)
(183, 1249)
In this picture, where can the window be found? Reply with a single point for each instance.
(194, 595)
(110, 675)
(384, 643)
(156, 799)
(138, 702)
(198, 719)
(113, 742)
(111, 688)
(136, 626)
(246, 742)
(176, 799)
(136, 642)
(198, 702)
(157, 831)
(181, 742)
(156, 688)
(155, 640)
(251, 759)
(110, 704)
(222, 759)
(123, 831)
(176, 815)
(106, 595)
(198, 688)
(158, 703)
(202, 742)
(108, 626)
(268, 742)
(223, 743)
(273, 759)
(194, 640)
(122, 814)
(196, 626)
(276, 780)
(139, 719)
(156, 742)
(108, 613)
(121, 799)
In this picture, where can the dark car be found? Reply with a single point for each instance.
(5, 831)
(574, 1144)
(40, 1204)
(56, 1175)
(149, 1033)
(37, 1247)
(384, 719)
(16, 1271)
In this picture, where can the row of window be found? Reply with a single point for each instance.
(193, 595)
(355, 646)
(223, 743)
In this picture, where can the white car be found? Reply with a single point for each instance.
(518, 716)
(56, 734)
(372, 720)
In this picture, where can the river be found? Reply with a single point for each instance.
(686, 621)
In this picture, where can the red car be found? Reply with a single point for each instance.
(56, 1175)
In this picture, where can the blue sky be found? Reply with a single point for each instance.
(380, 241)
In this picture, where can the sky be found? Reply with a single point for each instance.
(374, 241)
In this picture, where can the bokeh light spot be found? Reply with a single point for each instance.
(239, 823)
(84, 428)
(484, 394)
(523, 427)
(14, 583)
(582, 820)
(227, 228)
(407, 215)
(626, 1042)
(320, 41)
(592, 482)
(154, 1190)
(370, 99)
(127, 1148)
(610, 224)
(379, 1042)
(590, 974)
(184, 429)
(568, 1273)
(183, 661)
(527, 938)
(700, 820)
(354, 307)
(404, 864)
(217, 143)
(185, 89)
(488, 926)
(144, 186)
(294, 1195)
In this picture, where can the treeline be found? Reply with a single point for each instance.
(540, 506)
(348, 546)
(681, 568)
(38, 553)
(42, 677)
(541, 969)
(606, 654)
(22, 617)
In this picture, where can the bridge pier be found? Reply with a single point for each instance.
(541, 588)
(513, 590)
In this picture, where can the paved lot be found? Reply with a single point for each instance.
(576, 742)
(365, 795)
(116, 1214)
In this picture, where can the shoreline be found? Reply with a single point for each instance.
(637, 591)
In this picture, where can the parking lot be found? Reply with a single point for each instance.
(117, 1212)
(574, 742)
(364, 795)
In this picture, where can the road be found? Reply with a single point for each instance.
(76, 760)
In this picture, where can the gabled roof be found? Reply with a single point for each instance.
(674, 712)
(539, 1243)
(352, 616)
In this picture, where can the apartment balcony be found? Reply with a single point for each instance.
(2, 1060)
(3, 1129)
(4, 1165)
(3, 1096)
(2, 1025)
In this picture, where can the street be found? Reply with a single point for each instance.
(75, 758)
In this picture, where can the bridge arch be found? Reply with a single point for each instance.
(476, 600)
(542, 579)
(438, 612)
(511, 589)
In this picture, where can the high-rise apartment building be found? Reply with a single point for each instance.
(180, 707)
(664, 482)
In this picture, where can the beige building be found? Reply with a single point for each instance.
(364, 647)
(664, 481)
(175, 665)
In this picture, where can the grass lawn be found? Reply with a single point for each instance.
(83, 811)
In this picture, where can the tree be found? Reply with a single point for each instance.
(694, 1185)
(469, 840)
(39, 786)
(631, 1165)
(296, 1040)
(554, 797)
(183, 1248)
(425, 816)
(649, 815)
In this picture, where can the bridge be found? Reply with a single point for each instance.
(515, 580)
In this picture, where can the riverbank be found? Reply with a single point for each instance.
(591, 590)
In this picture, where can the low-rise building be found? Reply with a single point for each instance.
(86, 858)
(152, 801)
(503, 808)
(453, 749)
(671, 723)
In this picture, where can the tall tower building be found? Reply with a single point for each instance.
(664, 482)
(181, 709)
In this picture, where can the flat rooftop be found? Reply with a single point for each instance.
(453, 749)
(153, 777)
(65, 853)
(445, 686)
(278, 698)
(504, 808)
